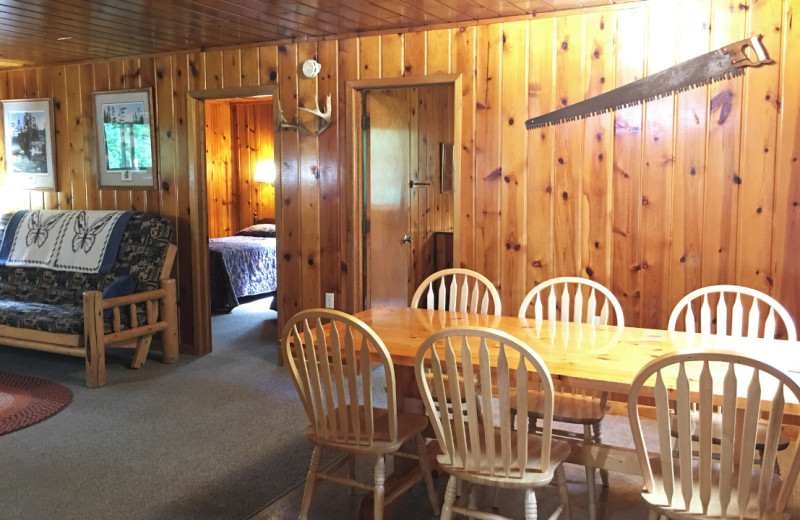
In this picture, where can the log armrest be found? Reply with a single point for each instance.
(161, 315)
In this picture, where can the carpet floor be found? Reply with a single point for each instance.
(213, 437)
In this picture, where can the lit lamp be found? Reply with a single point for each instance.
(265, 172)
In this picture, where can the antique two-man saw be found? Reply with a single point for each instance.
(723, 63)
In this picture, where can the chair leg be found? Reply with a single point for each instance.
(311, 480)
(380, 480)
(653, 515)
(597, 439)
(563, 493)
(531, 509)
(422, 453)
(590, 481)
(449, 498)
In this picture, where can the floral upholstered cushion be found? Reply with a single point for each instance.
(141, 255)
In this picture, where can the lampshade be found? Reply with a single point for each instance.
(265, 172)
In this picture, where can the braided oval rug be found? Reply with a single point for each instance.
(27, 400)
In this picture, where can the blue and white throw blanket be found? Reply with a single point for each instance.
(85, 241)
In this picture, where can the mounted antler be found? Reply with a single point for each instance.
(286, 124)
(325, 116)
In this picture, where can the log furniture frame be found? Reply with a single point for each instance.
(162, 316)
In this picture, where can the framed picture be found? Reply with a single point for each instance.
(29, 147)
(446, 185)
(126, 139)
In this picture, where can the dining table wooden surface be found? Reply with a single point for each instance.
(601, 357)
(597, 357)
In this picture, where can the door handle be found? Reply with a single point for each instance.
(407, 239)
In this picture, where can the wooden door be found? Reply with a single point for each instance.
(388, 166)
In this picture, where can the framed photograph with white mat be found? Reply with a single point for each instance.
(126, 140)
(28, 144)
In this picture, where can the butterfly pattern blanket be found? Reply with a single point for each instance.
(85, 241)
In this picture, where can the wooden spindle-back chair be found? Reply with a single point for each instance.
(739, 312)
(482, 444)
(574, 299)
(329, 355)
(731, 310)
(722, 481)
(459, 290)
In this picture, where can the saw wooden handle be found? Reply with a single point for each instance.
(738, 52)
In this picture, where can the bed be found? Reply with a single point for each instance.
(242, 265)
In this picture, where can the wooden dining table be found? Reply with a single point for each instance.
(595, 357)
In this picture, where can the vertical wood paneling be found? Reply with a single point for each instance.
(369, 51)
(414, 53)
(348, 69)
(391, 55)
(182, 75)
(569, 146)
(626, 184)
(249, 67)
(787, 176)
(597, 150)
(657, 175)
(331, 204)
(513, 163)
(757, 163)
(541, 152)
(488, 173)
(690, 160)
(61, 121)
(77, 179)
(464, 64)
(723, 181)
(289, 270)
(309, 186)
(708, 201)
(438, 61)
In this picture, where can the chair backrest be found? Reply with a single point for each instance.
(329, 356)
(581, 295)
(446, 371)
(728, 317)
(721, 481)
(459, 290)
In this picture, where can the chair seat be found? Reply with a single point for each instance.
(408, 425)
(567, 408)
(695, 511)
(534, 477)
(716, 430)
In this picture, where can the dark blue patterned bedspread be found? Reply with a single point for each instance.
(241, 266)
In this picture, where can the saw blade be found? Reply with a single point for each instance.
(717, 65)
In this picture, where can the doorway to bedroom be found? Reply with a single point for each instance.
(240, 192)
(233, 187)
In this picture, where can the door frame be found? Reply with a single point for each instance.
(354, 196)
(198, 201)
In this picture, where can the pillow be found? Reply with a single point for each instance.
(122, 286)
(258, 230)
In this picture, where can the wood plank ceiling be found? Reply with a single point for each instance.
(35, 32)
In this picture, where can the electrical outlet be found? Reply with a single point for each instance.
(329, 300)
(596, 320)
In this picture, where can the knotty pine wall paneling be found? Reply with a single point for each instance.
(713, 200)
(658, 175)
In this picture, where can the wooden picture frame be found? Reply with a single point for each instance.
(127, 155)
(28, 143)
(446, 185)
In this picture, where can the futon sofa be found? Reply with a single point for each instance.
(82, 313)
